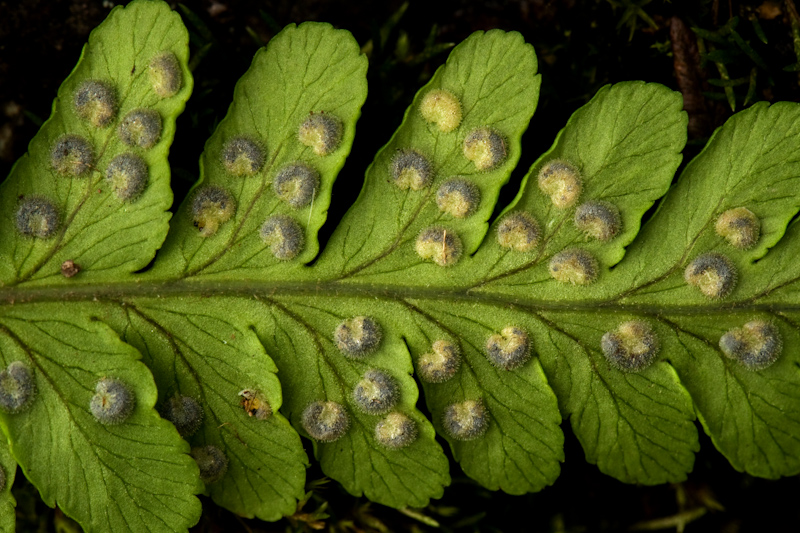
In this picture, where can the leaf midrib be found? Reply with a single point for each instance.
(111, 292)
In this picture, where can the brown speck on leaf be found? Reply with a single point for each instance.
(69, 268)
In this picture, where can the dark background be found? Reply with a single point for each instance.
(581, 45)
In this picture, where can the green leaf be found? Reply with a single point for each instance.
(313, 368)
(307, 71)
(108, 230)
(131, 476)
(636, 427)
(752, 417)
(626, 142)
(493, 75)
(752, 161)
(562, 307)
(212, 357)
(7, 502)
(523, 444)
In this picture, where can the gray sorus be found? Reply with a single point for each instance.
(598, 219)
(739, 226)
(574, 265)
(212, 462)
(96, 102)
(358, 337)
(458, 197)
(242, 157)
(211, 207)
(561, 181)
(185, 413)
(508, 349)
(284, 236)
(17, 388)
(441, 107)
(127, 175)
(296, 184)
(632, 347)
(140, 128)
(486, 148)
(325, 421)
(165, 74)
(321, 132)
(37, 217)
(72, 156)
(376, 393)
(396, 431)
(712, 273)
(441, 363)
(466, 420)
(518, 231)
(756, 345)
(411, 170)
(439, 245)
(113, 401)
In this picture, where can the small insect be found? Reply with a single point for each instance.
(255, 404)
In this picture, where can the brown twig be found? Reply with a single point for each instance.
(690, 78)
